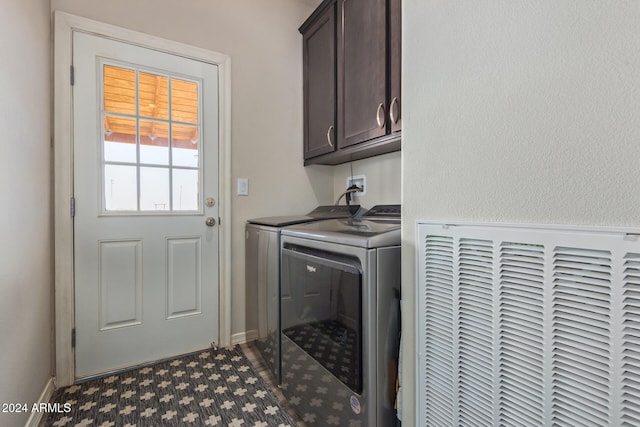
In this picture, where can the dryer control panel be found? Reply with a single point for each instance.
(383, 211)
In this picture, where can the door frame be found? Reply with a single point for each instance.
(64, 26)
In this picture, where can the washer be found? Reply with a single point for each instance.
(340, 318)
(262, 277)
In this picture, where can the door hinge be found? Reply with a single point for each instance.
(72, 77)
(73, 207)
(219, 221)
(73, 338)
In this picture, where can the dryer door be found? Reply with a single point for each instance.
(322, 309)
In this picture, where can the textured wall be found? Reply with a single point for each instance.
(517, 112)
(25, 200)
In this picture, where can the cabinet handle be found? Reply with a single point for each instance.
(329, 136)
(380, 118)
(392, 116)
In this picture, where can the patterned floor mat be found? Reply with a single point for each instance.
(210, 388)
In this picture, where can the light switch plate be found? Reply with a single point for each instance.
(243, 186)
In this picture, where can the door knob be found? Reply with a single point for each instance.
(210, 222)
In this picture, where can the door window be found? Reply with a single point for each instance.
(151, 146)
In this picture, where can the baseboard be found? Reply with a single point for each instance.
(45, 397)
(243, 337)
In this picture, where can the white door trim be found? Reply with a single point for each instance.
(65, 25)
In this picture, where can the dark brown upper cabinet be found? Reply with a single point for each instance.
(364, 119)
(362, 71)
(319, 68)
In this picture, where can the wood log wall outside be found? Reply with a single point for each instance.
(153, 103)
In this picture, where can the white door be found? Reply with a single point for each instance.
(145, 183)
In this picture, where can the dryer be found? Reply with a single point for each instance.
(340, 318)
(262, 277)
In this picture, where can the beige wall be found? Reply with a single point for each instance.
(383, 179)
(25, 200)
(266, 56)
(517, 112)
(266, 95)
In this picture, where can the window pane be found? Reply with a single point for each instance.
(184, 101)
(185, 145)
(185, 190)
(154, 189)
(151, 147)
(120, 189)
(154, 143)
(153, 92)
(119, 139)
(119, 90)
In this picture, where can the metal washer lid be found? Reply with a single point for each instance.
(352, 232)
(320, 213)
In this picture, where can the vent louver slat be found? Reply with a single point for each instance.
(533, 326)
(521, 338)
(631, 341)
(581, 336)
(438, 303)
(475, 312)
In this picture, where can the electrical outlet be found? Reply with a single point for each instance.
(359, 181)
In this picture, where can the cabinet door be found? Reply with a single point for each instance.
(395, 67)
(362, 79)
(320, 85)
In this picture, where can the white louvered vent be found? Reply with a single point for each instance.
(475, 332)
(522, 338)
(527, 326)
(438, 324)
(581, 336)
(631, 342)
